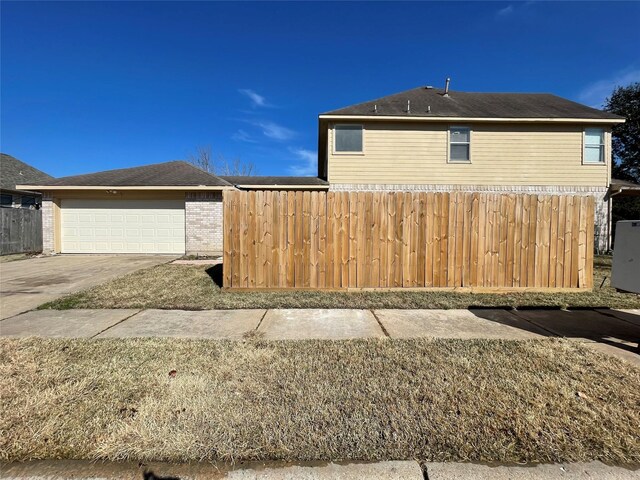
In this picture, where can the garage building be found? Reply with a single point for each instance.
(172, 208)
(165, 208)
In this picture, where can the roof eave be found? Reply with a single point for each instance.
(409, 118)
(15, 190)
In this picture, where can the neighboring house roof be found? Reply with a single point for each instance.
(431, 102)
(168, 174)
(624, 188)
(15, 172)
(258, 182)
(624, 183)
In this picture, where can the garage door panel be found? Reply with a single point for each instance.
(123, 226)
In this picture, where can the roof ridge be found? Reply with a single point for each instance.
(171, 173)
(218, 177)
(432, 103)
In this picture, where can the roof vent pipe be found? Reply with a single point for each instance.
(408, 106)
(375, 108)
(429, 109)
(446, 87)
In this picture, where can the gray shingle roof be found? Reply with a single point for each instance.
(178, 173)
(474, 105)
(15, 172)
(272, 181)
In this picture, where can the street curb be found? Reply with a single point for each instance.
(564, 471)
(80, 469)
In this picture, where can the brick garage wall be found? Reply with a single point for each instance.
(48, 245)
(203, 218)
(601, 220)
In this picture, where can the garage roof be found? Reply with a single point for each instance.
(274, 182)
(168, 174)
(431, 102)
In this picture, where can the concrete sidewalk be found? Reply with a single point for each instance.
(389, 470)
(615, 332)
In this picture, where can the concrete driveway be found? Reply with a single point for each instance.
(25, 284)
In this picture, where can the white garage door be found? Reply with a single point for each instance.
(122, 226)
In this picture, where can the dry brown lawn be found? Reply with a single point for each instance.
(192, 288)
(432, 400)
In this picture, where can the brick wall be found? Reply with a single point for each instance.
(601, 219)
(48, 245)
(203, 218)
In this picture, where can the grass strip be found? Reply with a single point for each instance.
(432, 400)
(188, 287)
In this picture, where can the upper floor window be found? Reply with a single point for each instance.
(593, 145)
(348, 138)
(459, 144)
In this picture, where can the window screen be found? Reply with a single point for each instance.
(459, 144)
(594, 145)
(348, 138)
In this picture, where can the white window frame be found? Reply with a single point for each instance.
(603, 146)
(333, 140)
(463, 162)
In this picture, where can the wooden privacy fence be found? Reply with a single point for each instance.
(20, 230)
(354, 240)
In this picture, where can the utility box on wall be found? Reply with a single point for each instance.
(625, 274)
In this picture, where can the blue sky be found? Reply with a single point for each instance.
(93, 86)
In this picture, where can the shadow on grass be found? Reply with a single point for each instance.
(215, 273)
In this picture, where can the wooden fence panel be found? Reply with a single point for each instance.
(20, 230)
(368, 240)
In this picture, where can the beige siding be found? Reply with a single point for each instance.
(501, 154)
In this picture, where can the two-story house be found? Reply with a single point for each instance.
(424, 139)
(431, 139)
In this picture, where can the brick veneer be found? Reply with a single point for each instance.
(203, 218)
(48, 244)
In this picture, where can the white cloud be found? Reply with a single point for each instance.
(514, 9)
(242, 136)
(275, 131)
(308, 163)
(256, 99)
(595, 93)
(503, 12)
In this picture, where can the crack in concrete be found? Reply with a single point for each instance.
(117, 323)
